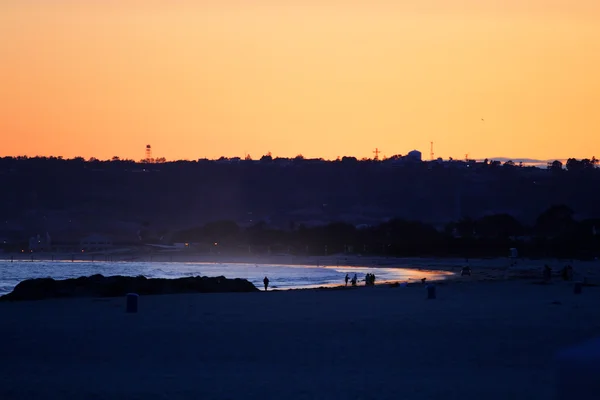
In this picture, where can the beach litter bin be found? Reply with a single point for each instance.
(577, 372)
(132, 302)
(430, 292)
(577, 288)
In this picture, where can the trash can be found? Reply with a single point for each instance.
(577, 288)
(431, 291)
(132, 302)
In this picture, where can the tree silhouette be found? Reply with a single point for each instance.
(556, 166)
(576, 165)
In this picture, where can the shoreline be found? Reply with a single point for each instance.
(483, 269)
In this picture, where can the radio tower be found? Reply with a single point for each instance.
(431, 151)
(148, 153)
(377, 151)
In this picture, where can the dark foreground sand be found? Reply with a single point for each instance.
(477, 340)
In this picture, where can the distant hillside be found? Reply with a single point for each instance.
(120, 197)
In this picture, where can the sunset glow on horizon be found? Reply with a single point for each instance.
(223, 78)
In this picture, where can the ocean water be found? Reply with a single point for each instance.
(280, 276)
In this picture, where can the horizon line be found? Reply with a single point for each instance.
(118, 158)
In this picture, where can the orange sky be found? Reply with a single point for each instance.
(221, 77)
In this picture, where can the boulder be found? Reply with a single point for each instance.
(115, 286)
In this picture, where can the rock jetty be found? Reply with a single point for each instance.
(114, 286)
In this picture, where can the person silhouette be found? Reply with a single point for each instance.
(266, 282)
(346, 279)
(354, 279)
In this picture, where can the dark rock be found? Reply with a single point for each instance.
(115, 286)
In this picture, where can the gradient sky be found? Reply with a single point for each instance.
(223, 78)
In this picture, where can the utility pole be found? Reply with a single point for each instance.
(377, 151)
(431, 151)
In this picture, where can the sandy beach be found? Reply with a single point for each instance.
(493, 336)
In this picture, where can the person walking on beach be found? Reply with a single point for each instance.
(346, 279)
(354, 279)
(266, 282)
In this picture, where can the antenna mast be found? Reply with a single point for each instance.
(377, 151)
(431, 151)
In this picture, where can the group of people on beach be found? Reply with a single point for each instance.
(369, 279)
(352, 281)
